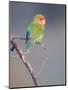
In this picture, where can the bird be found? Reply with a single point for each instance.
(35, 30)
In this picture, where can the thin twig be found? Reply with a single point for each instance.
(21, 55)
(21, 38)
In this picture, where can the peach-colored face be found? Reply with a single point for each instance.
(41, 20)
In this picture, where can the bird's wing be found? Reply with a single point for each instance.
(37, 33)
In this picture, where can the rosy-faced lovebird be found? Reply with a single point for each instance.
(35, 30)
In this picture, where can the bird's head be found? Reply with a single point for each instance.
(40, 19)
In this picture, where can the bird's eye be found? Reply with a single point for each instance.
(40, 19)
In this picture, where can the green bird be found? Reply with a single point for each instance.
(35, 30)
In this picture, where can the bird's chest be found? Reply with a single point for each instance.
(36, 31)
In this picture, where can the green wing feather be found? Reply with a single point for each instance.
(36, 32)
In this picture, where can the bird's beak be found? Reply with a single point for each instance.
(43, 22)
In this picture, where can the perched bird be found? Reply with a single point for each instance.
(35, 30)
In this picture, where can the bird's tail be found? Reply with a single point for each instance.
(28, 42)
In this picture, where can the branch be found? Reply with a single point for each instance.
(38, 43)
(20, 38)
(21, 55)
